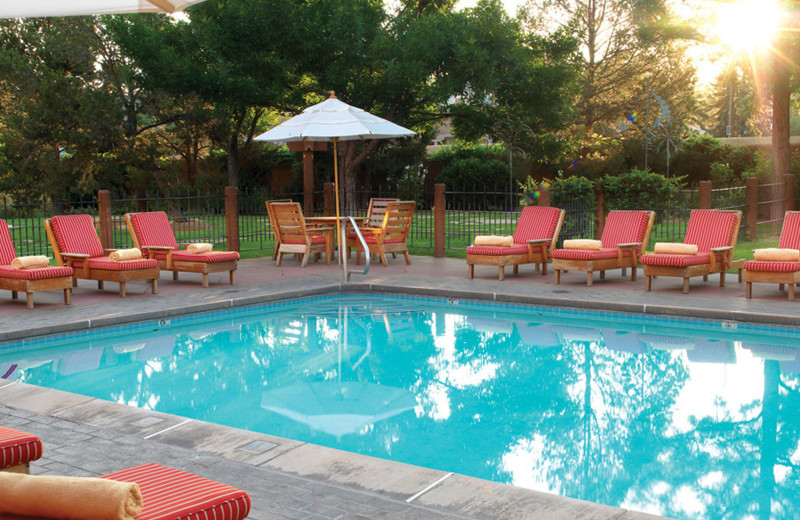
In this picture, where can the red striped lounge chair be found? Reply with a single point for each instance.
(18, 450)
(152, 233)
(534, 239)
(31, 280)
(623, 241)
(75, 244)
(169, 493)
(788, 273)
(714, 232)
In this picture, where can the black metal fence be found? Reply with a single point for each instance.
(470, 211)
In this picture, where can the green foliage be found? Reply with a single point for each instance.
(699, 152)
(474, 172)
(638, 189)
(721, 172)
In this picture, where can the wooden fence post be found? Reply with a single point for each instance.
(330, 200)
(439, 206)
(104, 217)
(232, 217)
(704, 195)
(544, 195)
(751, 193)
(600, 210)
(788, 192)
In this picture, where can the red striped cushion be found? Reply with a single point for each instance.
(105, 264)
(624, 227)
(667, 260)
(709, 228)
(153, 229)
(772, 267)
(499, 251)
(582, 254)
(7, 251)
(790, 234)
(76, 234)
(536, 222)
(18, 447)
(173, 494)
(39, 273)
(206, 258)
(374, 240)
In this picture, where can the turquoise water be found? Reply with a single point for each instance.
(685, 418)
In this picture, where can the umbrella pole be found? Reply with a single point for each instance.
(336, 188)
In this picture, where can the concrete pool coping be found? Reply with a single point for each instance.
(290, 479)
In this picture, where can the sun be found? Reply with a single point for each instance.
(747, 25)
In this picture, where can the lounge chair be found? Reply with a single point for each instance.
(533, 241)
(391, 236)
(18, 449)
(30, 280)
(777, 271)
(296, 237)
(271, 217)
(714, 232)
(76, 245)
(622, 243)
(152, 233)
(374, 219)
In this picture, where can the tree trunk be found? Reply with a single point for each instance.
(781, 95)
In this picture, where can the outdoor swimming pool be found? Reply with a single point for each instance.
(685, 418)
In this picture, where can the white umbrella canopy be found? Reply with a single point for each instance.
(40, 8)
(334, 121)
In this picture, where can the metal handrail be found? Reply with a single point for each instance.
(347, 272)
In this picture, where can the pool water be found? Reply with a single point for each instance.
(684, 418)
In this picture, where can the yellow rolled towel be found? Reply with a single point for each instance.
(195, 249)
(776, 255)
(583, 243)
(70, 498)
(120, 255)
(29, 262)
(494, 240)
(666, 248)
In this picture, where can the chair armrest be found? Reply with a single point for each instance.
(76, 256)
(159, 248)
(629, 244)
(69, 258)
(725, 251)
(152, 251)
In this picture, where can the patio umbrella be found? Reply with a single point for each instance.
(338, 408)
(39, 8)
(334, 121)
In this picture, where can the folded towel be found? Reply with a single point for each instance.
(71, 498)
(194, 249)
(776, 255)
(121, 255)
(29, 262)
(582, 243)
(494, 240)
(666, 248)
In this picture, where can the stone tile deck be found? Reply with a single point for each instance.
(292, 480)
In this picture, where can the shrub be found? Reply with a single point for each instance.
(639, 189)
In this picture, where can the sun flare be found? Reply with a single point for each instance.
(747, 24)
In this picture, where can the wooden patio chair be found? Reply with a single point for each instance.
(714, 233)
(31, 280)
(271, 217)
(391, 236)
(533, 242)
(374, 219)
(76, 245)
(622, 243)
(297, 238)
(152, 233)
(783, 271)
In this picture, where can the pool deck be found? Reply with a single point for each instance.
(293, 480)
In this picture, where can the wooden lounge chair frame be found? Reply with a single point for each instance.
(167, 263)
(536, 254)
(787, 278)
(391, 236)
(620, 262)
(295, 236)
(720, 260)
(99, 275)
(374, 218)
